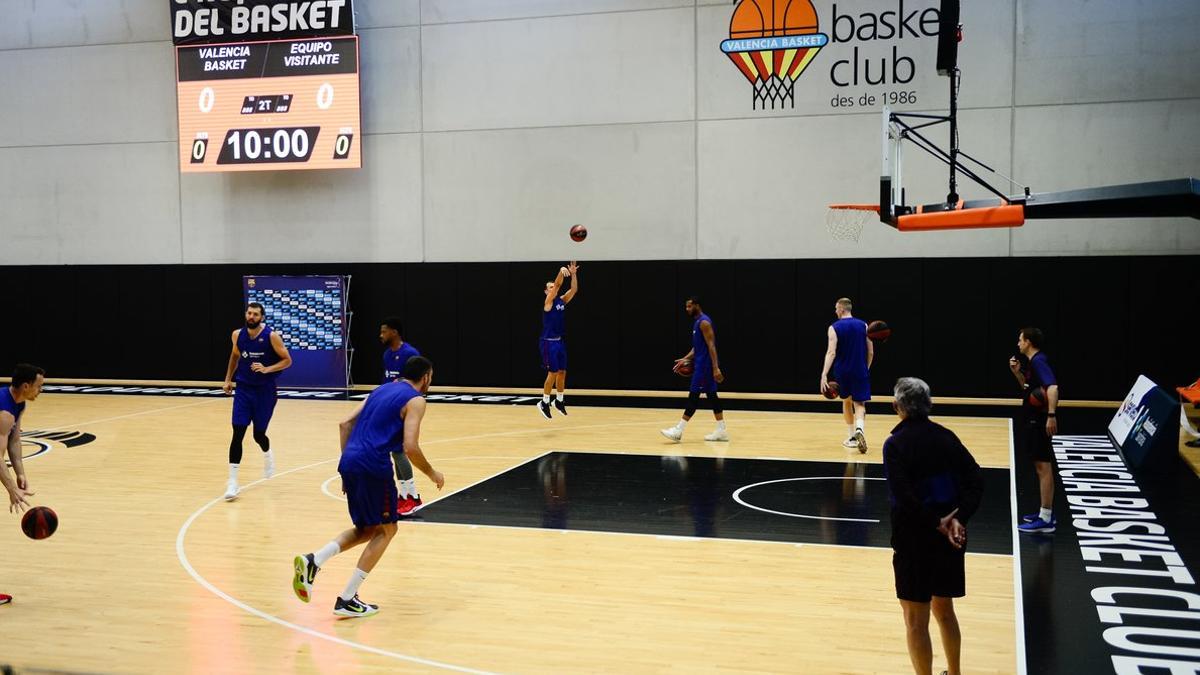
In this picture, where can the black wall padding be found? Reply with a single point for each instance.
(954, 320)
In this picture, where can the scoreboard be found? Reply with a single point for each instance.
(286, 104)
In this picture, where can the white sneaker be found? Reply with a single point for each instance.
(717, 435)
(231, 491)
(268, 465)
(860, 440)
(673, 433)
(850, 443)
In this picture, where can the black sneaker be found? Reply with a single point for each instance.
(562, 407)
(544, 408)
(353, 607)
(306, 572)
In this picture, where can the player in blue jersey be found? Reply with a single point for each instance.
(705, 376)
(257, 358)
(396, 353)
(390, 417)
(1040, 423)
(551, 345)
(26, 385)
(849, 354)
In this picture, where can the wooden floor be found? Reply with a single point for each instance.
(151, 572)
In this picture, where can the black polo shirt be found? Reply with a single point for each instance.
(929, 474)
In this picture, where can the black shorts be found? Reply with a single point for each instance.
(1035, 441)
(920, 576)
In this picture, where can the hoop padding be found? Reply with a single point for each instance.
(845, 221)
(1011, 215)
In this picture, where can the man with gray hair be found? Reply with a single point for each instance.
(934, 486)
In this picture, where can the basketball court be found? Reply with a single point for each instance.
(616, 548)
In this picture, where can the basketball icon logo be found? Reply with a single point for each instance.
(772, 42)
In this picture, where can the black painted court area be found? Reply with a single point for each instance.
(843, 503)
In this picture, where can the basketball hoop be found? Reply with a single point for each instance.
(845, 221)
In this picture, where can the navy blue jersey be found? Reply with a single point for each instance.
(378, 431)
(394, 360)
(9, 405)
(699, 346)
(1037, 374)
(554, 319)
(851, 359)
(255, 350)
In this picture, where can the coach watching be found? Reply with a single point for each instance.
(935, 486)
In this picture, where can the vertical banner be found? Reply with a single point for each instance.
(1146, 415)
(309, 313)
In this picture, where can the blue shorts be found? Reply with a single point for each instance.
(854, 388)
(702, 379)
(371, 498)
(253, 403)
(554, 355)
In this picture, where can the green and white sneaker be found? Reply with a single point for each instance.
(353, 607)
(306, 572)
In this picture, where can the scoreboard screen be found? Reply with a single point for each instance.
(267, 106)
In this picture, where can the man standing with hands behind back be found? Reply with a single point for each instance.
(935, 486)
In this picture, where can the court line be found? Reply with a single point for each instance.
(676, 537)
(187, 566)
(1018, 590)
(325, 485)
(738, 498)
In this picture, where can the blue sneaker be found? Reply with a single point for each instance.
(1038, 526)
(1030, 517)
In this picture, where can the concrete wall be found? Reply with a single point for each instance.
(491, 126)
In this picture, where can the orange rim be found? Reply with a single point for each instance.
(856, 207)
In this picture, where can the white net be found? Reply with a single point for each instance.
(845, 222)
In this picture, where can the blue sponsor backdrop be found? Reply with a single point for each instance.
(309, 313)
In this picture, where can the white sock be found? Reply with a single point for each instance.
(233, 472)
(269, 456)
(560, 397)
(545, 398)
(681, 425)
(1045, 514)
(849, 431)
(409, 487)
(720, 425)
(322, 555)
(861, 425)
(356, 579)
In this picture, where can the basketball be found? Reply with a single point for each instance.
(831, 391)
(684, 368)
(578, 233)
(1037, 398)
(39, 522)
(878, 331)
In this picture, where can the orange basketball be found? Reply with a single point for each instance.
(832, 390)
(772, 18)
(578, 233)
(684, 368)
(39, 522)
(879, 331)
